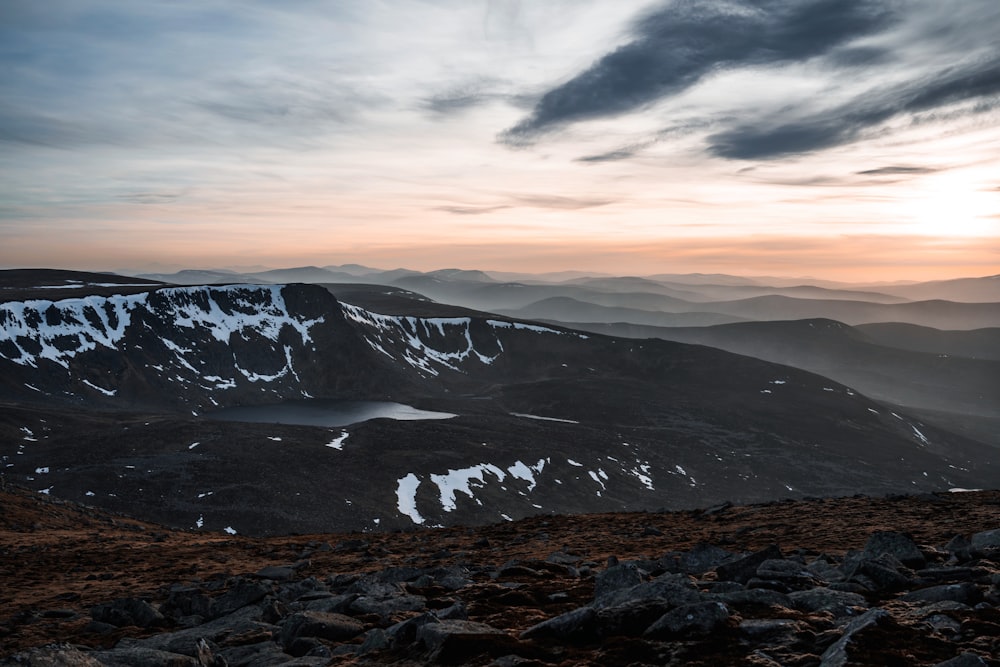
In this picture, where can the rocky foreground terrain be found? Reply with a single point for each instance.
(899, 580)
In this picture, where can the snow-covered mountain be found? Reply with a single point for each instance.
(99, 391)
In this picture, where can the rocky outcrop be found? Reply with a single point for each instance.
(703, 606)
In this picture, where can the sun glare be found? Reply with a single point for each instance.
(954, 205)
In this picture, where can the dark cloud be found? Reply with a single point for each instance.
(614, 156)
(896, 171)
(847, 122)
(476, 93)
(680, 44)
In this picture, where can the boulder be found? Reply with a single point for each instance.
(334, 627)
(692, 620)
(897, 545)
(128, 611)
(838, 603)
(838, 654)
(743, 568)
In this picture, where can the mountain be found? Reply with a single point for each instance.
(109, 400)
(569, 310)
(972, 290)
(302, 274)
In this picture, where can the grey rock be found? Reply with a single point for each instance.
(436, 636)
(387, 606)
(376, 639)
(986, 540)
(701, 558)
(338, 604)
(838, 654)
(53, 655)
(768, 629)
(960, 548)
(616, 578)
(243, 592)
(964, 660)
(897, 545)
(670, 591)
(128, 611)
(838, 603)
(966, 593)
(756, 597)
(143, 657)
(244, 621)
(276, 572)
(577, 625)
(456, 612)
(632, 617)
(405, 632)
(743, 568)
(693, 620)
(334, 627)
(793, 575)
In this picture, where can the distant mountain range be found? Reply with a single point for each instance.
(109, 385)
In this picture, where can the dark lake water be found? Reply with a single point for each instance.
(321, 412)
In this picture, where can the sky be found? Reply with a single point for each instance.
(837, 139)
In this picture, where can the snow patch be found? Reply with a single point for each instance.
(406, 497)
(462, 480)
(338, 442)
(230, 530)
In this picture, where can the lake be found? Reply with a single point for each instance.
(324, 412)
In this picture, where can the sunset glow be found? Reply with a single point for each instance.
(595, 135)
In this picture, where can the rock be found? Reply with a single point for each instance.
(335, 627)
(143, 657)
(964, 660)
(577, 625)
(632, 617)
(743, 568)
(985, 541)
(456, 612)
(405, 632)
(701, 558)
(966, 593)
(451, 641)
(276, 572)
(792, 575)
(960, 548)
(693, 620)
(615, 578)
(897, 545)
(128, 611)
(53, 655)
(879, 574)
(756, 597)
(838, 603)
(242, 623)
(838, 654)
(241, 593)
(670, 591)
(376, 639)
(768, 629)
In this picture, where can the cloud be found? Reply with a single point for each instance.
(564, 203)
(848, 122)
(680, 44)
(469, 210)
(897, 170)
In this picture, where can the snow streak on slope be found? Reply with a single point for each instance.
(431, 343)
(60, 330)
(464, 480)
(179, 333)
(198, 307)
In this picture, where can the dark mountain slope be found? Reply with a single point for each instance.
(99, 393)
(916, 379)
(974, 344)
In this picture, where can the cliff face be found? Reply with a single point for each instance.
(183, 347)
